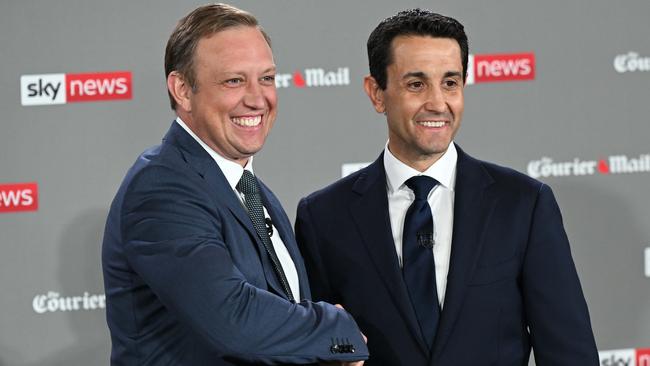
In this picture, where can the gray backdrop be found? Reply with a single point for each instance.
(584, 105)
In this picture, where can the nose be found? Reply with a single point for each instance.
(254, 97)
(436, 101)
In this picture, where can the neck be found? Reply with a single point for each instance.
(418, 162)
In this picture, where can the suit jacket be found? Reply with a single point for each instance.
(188, 281)
(511, 285)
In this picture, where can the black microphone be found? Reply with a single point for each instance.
(425, 239)
(269, 226)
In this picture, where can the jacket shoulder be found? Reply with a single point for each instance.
(340, 188)
(509, 179)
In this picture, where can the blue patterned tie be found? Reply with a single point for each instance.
(253, 201)
(419, 267)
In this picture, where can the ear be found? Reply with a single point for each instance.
(375, 93)
(180, 89)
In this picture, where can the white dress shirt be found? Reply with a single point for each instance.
(441, 200)
(233, 173)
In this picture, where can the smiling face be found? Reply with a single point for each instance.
(233, 105)
(423, 99)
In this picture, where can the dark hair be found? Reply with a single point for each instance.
(412, 22)
(201, 22)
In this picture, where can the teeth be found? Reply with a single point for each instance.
(247, 121)
(432, 123)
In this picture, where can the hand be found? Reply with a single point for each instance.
(365, 339)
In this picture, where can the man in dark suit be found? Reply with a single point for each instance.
(442, 259)
(200, 263)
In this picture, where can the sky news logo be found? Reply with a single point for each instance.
(314, 77)
(45, 89)
(500, 67)
(615, 164)
(18, 197)
(625, 357)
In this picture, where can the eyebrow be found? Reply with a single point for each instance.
(240, 72)
(423, 75)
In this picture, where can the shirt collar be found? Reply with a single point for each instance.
(231, 170)
(443, 170)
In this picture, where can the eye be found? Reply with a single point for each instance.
(234, 82)
(268, 79)
(450, 83)
(415, 85)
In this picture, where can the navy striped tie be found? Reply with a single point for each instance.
(419, 269)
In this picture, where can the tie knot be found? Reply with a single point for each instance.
(421, 185)
(247, 183)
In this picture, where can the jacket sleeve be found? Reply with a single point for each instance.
(556, 310)
(309, 246)
(174, 240)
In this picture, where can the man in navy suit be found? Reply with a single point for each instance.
(200, 263)
(442, 259)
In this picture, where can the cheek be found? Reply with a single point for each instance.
(225, 101)
(458, 111)
(411, 110)
(402, 107)
(457, 104)
(271, 98)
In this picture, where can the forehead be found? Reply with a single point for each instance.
(424, 52)
(238, 45)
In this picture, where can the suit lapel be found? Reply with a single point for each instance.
(371, 215)
(199, 160)
(472, 208)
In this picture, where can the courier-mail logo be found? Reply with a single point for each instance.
(625, 357)
(46, 89)
(314, 77)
